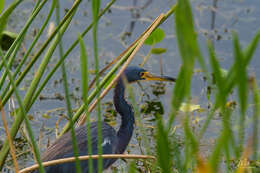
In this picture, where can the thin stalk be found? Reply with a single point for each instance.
(84, 79)
(147, 57)
(140, 124)
(95, 10)
(255, 117)
(67, 95)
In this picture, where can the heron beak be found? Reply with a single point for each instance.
(149, 76)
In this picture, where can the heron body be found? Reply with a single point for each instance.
(113, 142)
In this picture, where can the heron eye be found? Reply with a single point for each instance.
(142, 74)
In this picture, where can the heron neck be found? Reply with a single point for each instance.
(127, 116)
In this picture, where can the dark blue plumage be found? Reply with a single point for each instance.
(112, 142)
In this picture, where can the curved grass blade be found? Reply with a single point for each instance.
(95, 11)
(189, 50)
(84, 79)
(163, 150)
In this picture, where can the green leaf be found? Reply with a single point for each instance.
(158, 51)
(156, 36)
(189, 50)
(164, 155)
(46, 116)
(248, 52)
(6, 14)
(188, 107)
(2, 4)
(109, 80)
(241, 74)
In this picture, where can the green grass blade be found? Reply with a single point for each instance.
(189, 50)
(95, 11)
(163, 150)
(241, 74)
(132, 167)
(256, 117)
(222, 142)
(248, 52)
(241, 78)
(138, 119)
(67, 95)
(221, 95)
(191, 143)
(84, 79)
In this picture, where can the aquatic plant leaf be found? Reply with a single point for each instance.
(223, 72)
(153, 107)
(156, 36)
(109, 80)
(46, 116)
(231, 104)
(188, 107)
(158, 51)
(188, 48)
(248, 52)
(241, 74)
(163, 149)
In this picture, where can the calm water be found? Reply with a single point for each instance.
(231, 15)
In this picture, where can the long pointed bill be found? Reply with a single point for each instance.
(149, 76)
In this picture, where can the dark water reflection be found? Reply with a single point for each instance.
(117, 29)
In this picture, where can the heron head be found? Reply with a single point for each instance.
(134, 73)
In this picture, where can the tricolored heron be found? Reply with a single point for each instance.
(113, 142)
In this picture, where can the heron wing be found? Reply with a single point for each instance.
(62, 148)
